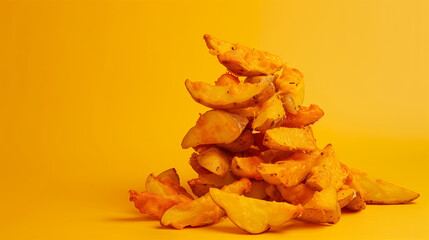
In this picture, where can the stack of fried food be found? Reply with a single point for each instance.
(255, 154)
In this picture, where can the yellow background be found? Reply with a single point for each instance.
(92, 100)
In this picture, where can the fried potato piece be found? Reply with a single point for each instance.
(201, 211)
(290, 86)
(155, 204)
(241, 144)
(200, 186)
(290, 139)
(271, 114)
(357, 203)
(345, 196)
(170, 174)
(304, 117)
(299, 194)
(215, 160)
(242, 60)
(254, 215)
(193, 161)
(241, 95)
(327, 171)
(288, 172)
(258, 190)
(164, 187)
(322, 208)
(227, 80)
(215, 126)
(261, 79)
(273, 193)
(249, 112)
(377, 191)
(246, 167)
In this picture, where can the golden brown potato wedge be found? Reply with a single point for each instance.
(200, 186)
(345, 196)
(288, 172)
(241, 144)
(164, 187)
(322, 208)
(377, 191)
(242, 60)
(215, 126)
(170, 174)
(290, 86)
(246, 167)
(215, 160)
(193, 161)
(249, 112)
(304, 117)
(357, 203)
(270, 115)
(290, 139)
(155, 204)
(241, 95)
(227, 80)
(328, 171)
(258, 190)
(201, 211)
(299, 194)
(254, 215)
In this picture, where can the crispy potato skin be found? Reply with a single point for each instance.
(242, 60)
(304, 117)
(214, 127)
(241, 144)
(170, 174)
(164, 187)
(290, 139)
(200, 186)
(227, 80)
(270, 114)
(323, 207)
(226, 97)
(215, 160)
(155, 204)
(345, 196)
(299, 194)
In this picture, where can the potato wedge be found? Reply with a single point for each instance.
(155, 204)
(299, 194)
(170, 174)
(215, 126)
(357, 203)
(200, 186)
(241, 144)
(215, 160)
(201, 211)
(254, 215)
(377, 191)
(304, 117)
(249, 112)
(288, 172)
(227, 80)
(290, 86)
(328, 171)
(193, 161)
(258, 190)
(270, 115)
(242, 95)
(261, 79)
(246, 167)
(164, 187)
(322, 208)
(242, 60)
(290, 139)
(345, 196)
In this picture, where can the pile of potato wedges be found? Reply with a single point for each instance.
(256, 156)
